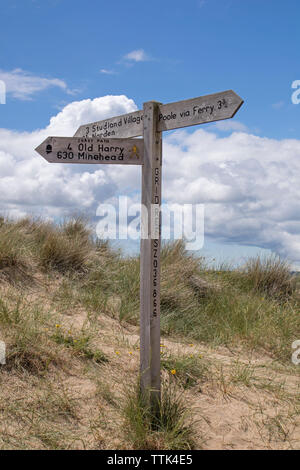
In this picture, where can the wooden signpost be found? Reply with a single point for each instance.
(92, 150)
(109, 141)
(127, 125)
(209, 108)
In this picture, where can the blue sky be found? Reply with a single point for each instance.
(194, 48)
(55, 52)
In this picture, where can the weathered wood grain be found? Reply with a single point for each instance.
(200, 110)
(92, 150)
(127, 125)
(150, 257)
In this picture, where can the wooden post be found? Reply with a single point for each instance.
(150, 258)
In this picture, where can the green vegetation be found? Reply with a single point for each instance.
(170, 429)
(69, 316)
(186, 369)
(24, 329)
(80, 344)
(257, 305)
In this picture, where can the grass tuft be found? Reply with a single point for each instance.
(270, 276)
(170, 429)
(64, 253)
(23, 328)
(15, 259)
(80, 344)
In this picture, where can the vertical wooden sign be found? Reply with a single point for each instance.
(150, 258)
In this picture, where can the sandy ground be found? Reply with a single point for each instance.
(248, 401)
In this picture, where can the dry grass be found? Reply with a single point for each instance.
(270, 276)
(67, 248)
(69, 310)
(24, 328)
(15, 260)
(170, 429)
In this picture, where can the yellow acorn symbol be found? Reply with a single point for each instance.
(134, 152)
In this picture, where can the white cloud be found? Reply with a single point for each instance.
(108, 72)
(23, 85)
(278, 105)
(138, 55)
(81, 112)
(28, 184)
(249, 184)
